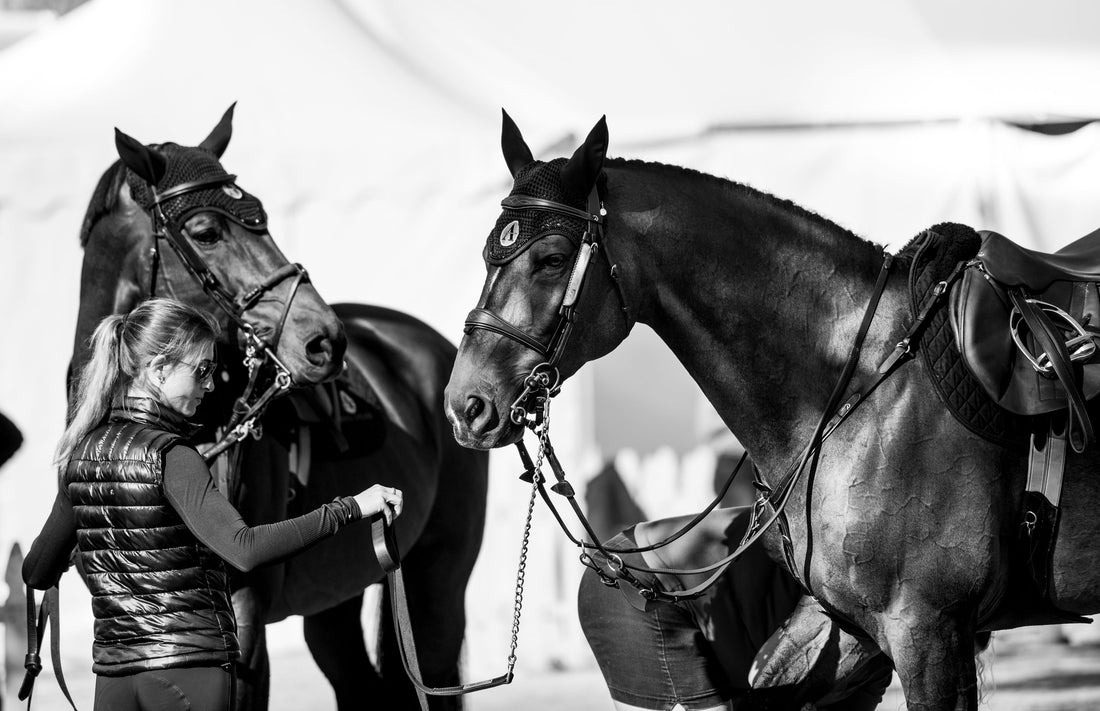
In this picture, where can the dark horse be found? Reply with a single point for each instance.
(377, 418)
(909, 525)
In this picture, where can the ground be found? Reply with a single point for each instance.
(1025, 670)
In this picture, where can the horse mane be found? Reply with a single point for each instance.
(779, 203)
(104, 199)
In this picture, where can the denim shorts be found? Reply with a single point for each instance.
(698, 653)
(695, 653)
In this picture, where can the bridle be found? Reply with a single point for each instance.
(248, 408)
(544, 377)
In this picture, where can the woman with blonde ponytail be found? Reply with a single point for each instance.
(152, 532)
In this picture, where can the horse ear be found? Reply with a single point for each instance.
(580, 172)
(149, 163)
(516, 152)
(219, 137)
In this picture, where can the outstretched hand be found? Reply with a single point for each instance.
(385, 500)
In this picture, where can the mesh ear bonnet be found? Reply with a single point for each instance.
(186, 165)
(540, 180)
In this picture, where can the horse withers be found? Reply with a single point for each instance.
(362, 387)
(906, 523)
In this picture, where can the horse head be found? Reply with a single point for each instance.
(534, 324)
(168, 220)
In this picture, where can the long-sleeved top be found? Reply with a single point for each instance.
(190, 489)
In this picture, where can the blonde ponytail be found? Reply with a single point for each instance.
(121, 345)
(100, 382)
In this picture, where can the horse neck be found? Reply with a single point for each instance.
(759, 299)
(110, 278)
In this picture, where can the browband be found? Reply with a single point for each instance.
(184, 188)
(524, 202)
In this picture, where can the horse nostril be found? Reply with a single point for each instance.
(319, 351)
(474, 407)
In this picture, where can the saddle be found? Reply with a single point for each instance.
(345, 414)
(1027, 325)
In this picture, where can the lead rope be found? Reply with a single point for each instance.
(385, 547)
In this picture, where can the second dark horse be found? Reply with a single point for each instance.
(339, 431)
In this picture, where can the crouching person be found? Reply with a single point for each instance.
(753, 640)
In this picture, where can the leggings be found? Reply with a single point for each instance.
(198, 688)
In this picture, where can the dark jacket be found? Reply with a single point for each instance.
(160, 597)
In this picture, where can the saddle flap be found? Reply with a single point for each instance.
(980, 314)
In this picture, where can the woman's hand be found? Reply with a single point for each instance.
(385, 500)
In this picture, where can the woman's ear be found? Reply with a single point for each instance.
(157, 370)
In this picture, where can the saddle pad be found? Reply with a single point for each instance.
(935, 253)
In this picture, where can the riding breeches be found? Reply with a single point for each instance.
(180, 689)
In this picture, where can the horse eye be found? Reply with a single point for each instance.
(553, 261)
(206, 235)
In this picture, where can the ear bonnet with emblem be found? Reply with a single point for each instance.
(566, 181)
(516, 230)
(170, 166)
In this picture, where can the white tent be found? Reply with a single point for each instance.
(370, 130)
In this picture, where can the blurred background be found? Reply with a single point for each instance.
(370, 130)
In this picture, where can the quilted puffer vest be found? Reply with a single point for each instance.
(159, 596)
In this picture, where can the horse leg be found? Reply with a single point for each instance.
(253, 671)
(335, 639)
(933, 653)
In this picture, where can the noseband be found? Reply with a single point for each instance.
(544, 377)
(257, 348)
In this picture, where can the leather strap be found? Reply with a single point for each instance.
(525, 202)
(185, 188)
(51, 607)
(489, 321)
(389, 557)
(1053, 344)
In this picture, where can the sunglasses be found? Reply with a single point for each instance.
(202, 370)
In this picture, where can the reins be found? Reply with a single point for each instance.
(532, 409)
